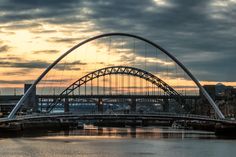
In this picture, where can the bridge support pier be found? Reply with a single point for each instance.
(31, 102)
(166, 105)
(195, 106)
(133, 105)
(66, 105)
(100, 105)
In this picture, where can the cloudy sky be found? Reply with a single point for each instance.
(200, 33)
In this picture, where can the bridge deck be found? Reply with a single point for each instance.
(117, 117)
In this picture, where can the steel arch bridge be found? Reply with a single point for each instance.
(122, 70)
(202, 90)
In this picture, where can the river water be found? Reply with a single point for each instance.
(118, 142)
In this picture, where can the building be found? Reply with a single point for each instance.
(224, 96)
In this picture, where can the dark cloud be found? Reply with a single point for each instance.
(38, 64)
(21, 26)
(10, 57)
(70, 65)
(46, 52)
(50, 10)
(42, 31)
(4, 48)
(12, 81)
(64, 40)
(27, 64)
(187, 29)
(102, 63)
(76, 63)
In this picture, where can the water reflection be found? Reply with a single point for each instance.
(136, 132)
(111, 132)
(117, 142)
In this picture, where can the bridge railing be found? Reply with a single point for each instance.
(41, 115)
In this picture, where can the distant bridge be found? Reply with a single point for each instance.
(117, 70)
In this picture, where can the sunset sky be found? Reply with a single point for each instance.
(200, 33)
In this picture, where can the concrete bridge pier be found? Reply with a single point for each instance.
(31, 102)
(133, 105)
(195, 106)
(100, 105)
(166, 105)
(66, 105)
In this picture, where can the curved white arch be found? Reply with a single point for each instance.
(204, 92)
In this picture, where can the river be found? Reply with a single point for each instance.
(118, 142)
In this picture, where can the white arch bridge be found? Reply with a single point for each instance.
(117, 70)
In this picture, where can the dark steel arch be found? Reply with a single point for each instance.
(123, 70)
(204, 92)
